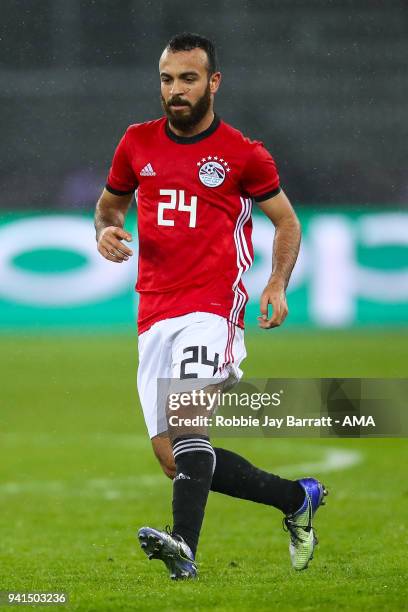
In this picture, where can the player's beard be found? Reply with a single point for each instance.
(186, 121)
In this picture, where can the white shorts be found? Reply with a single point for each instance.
(199, 343)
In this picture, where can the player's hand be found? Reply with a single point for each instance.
(110, 245)
(274, 295)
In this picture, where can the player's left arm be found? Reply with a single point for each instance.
(285, 251)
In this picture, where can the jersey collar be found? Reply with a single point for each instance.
(192, 139)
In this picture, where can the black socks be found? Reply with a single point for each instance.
(195, 461)
(236, 477)
(233, 475)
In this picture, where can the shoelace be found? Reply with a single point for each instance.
(180, 540)
(171, 533)
(288, 524)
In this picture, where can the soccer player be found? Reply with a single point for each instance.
(197, 178)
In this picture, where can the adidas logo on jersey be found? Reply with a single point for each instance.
(147, 170)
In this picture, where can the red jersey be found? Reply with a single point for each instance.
(194, 206)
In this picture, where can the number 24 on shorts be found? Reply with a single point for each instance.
(194, 350)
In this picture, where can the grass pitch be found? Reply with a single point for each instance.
(79, 478)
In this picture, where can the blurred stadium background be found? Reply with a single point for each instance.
(323, 83)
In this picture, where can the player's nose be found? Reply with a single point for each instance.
(177, 88)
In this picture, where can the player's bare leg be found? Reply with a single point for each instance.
(164, 454)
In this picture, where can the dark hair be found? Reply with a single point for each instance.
(188, 41)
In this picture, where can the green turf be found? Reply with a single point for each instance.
(78, 479)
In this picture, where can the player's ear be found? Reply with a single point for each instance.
(215, 81)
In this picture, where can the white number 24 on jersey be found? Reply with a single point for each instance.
(177, 201)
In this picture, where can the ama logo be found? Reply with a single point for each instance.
(358, 421)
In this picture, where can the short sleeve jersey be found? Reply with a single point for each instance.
(194, 205)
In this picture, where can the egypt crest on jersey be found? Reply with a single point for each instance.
(212, 171)
(194, 215)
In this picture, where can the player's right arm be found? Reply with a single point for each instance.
(110, 217)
